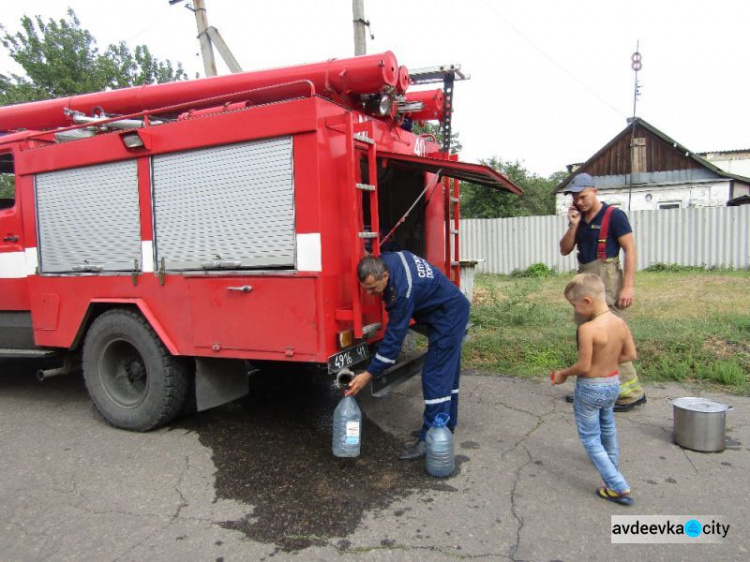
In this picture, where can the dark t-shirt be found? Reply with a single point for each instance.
(587, 235)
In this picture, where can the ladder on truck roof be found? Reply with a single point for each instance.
(447, 74)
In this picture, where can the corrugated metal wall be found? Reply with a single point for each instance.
(711, 237)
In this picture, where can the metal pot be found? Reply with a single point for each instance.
(699, 424)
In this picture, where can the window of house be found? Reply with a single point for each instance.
(669, 205)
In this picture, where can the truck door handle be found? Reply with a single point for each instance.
(221, 264)
(11, 238)
(243, 289)
(87, 268)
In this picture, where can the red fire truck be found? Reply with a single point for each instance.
(162, 236)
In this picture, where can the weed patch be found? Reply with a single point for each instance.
(689, 324)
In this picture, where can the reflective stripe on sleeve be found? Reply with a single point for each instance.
(408, 273)
(384, 359)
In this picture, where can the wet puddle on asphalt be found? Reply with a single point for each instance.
(272, 450)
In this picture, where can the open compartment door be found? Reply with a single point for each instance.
(474, 173)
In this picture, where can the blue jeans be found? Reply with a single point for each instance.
(593, 406)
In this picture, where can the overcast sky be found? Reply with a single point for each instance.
(551, 80)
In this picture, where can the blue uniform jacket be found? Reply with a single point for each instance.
(418, 290)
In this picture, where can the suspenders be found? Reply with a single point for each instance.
(601, 247)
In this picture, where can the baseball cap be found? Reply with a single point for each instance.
(579, 183)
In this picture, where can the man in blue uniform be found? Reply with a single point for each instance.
(413, 288)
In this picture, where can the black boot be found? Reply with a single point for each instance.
(414, 452)
(630, 406)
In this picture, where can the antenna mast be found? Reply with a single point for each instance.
(636, 65)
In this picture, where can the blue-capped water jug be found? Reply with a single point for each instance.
(440, 460)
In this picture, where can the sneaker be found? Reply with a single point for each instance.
(414, 452)
(627, 407)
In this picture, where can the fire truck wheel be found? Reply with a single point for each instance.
(134, 381)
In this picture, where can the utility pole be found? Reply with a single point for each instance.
(201, 19)
(360, 23)
(637, 146)
(221, 46)
(208, 37)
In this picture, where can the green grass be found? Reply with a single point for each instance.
(690, 325)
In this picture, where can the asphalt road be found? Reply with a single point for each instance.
(255, 480)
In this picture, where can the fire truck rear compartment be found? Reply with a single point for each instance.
(398, 189)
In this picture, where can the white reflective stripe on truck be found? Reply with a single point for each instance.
(16, 265)
(308, 252)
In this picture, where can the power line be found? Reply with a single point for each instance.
(551, 59)
(157, 19)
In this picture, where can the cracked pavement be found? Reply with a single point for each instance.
(73, 488)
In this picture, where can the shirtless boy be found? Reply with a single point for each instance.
(604, 341)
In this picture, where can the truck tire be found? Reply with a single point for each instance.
(133, 380)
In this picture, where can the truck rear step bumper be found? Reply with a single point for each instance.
(398, 374)
(29, 353)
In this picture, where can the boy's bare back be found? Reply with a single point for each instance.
(604, 343)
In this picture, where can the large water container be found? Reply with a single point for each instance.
(347, 428)
(440, 459)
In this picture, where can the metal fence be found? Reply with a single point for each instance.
(709, 237)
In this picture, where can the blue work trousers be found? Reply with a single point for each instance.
(442, 367)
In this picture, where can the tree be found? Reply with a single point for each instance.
(7, 190)
(537, 199)
(481, 202)
(61, 58)
(433, 129)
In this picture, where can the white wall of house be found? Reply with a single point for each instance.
(735, 161)
(654, 197)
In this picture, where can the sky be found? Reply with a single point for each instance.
(550, 80)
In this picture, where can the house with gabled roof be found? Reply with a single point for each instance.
(643, 169)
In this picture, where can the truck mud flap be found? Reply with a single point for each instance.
(398, 374)
(218, 381)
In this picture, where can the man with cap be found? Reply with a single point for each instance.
(600, 231)
(413, 288)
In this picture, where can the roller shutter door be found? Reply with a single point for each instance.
(88, 219)
(225, 207)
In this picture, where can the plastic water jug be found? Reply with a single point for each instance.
(347, 428)
(440, 459)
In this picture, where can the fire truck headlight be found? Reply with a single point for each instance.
(379, 104)
(134, 140)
